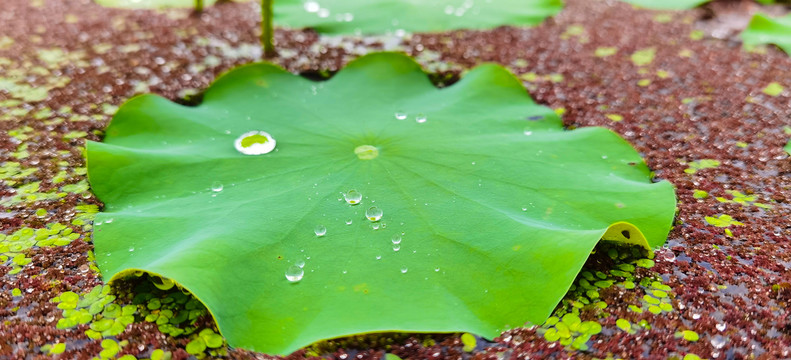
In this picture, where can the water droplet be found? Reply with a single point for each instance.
(420, 118)
(216, 186)
(255, 143)
(396, 247)
(312, 6)
(718, 341)
(294, 273)
(695, 316)
(524, 209)
(378, 257)
(436, 269)
(300, 263)
(404, 270)
(721, 327)
(348, 221)
(528, 132)
(396, 239)
(373, 213)
(320, 230)
(604, 156)
(323, 13)
(353, 197)
(400, 115)
(131, 249)
(375, 226)
(108, 221)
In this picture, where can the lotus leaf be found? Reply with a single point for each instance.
(766, 30)
(379, 16)
(473, 209)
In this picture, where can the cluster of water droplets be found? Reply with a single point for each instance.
(315, 8)
(419, 118)
(461, 10)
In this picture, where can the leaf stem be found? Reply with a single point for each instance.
(198, 5)
(267, 32)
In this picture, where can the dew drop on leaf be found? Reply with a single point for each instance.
(404, 270)
(420, 118)
(300, 263)
(312, 6)
(348, 221)
(400, 115)
(353, 197)
(216, 186)
(294, 273)
(373, 213)
(396, 247)
(396, 239)
(255, 143)
(320, 230)
(528, 132)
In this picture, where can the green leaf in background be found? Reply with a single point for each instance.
(766, 30)
(471, 210)
(380, 16)
(667, 4)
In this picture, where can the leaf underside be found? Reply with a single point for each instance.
(497, 206)
(765, 30)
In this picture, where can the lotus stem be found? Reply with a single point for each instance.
(267, 32)
(198, 5)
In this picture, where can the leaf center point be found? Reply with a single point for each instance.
(366, 152)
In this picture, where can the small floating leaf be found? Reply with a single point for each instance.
(765, 30)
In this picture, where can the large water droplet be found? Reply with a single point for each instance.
(400, 115)
(396, 239)
(373, 213)
(294, 273)
(353, 197)
(420, 118)
(216, 186)
(255, 143)
(320, 230)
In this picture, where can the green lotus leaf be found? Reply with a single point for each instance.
(667, 4)
(379, 16)
(472, 208)
(765, 30)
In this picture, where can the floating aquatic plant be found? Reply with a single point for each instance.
(476, 210)
(765, 30)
